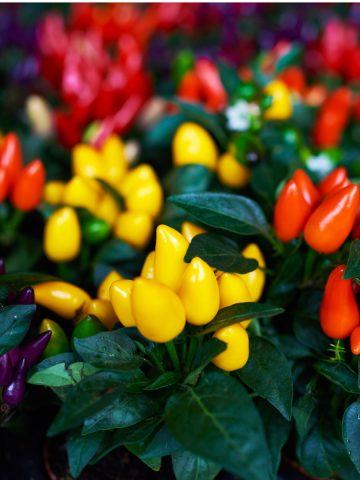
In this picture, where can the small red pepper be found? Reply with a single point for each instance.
(294, 78)
(10, 159)
(339, 313)
(29, 186)
(336, 180)
(4, 184)
(355, 341)
(332, 221)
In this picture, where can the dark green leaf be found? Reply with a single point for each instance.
(265, 179)
(67, 358)
(268, 373)
(188, 179)
(81, 449)
(238, 312)
(18, 280)
(233, 213)
(188, 466)
(161, 134)
(111, 191)
(163, 443)
(217, 420)
(164, 380)
(113, 350)
(14, 324)
(219, 252)
(353, 263)
(340, 374)
(312, 454)
(287, 279)
(229, 78)
(305, 414)
(204, 355)
(115, 251)
(351, 432)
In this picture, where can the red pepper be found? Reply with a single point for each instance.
(11, 158)
(4, 184)
(29, 186)
(332, 118)
(294, 206)
(189, 87)
(355, 341)
(332, 221)
(339, 313)
(336, 180)
(294, 78)
(211, 86)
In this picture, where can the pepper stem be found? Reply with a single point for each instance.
(171, 349)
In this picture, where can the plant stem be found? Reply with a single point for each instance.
(193, 347)
(156, 361)
(171, 349)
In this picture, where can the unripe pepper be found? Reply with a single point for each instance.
(87, 327)
(29, 185)
(147, 270)
(158, 311)
(190, 230)
(170, 250)
(120, 297)
(332, 221)
(199, 293)
(53, 192)
(293, 207)
(103, 291)
(336, 180)
(58, 343)
(62, 235)
(232, 173)
(339, 313)
(62, 298)
(103, 310)
(134, 228)
(193, 144)
(281, 107)
(14, 392)
(237, 348)
(95, 230)
(254, 280)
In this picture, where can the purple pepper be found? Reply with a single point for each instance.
(14, 392)
(26, 296)
(2, 266)
(6, 369)
(33, 349)
(14, 355)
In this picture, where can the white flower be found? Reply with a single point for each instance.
(240, 115)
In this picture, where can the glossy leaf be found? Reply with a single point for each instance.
(351, 432)
(353, 263)
(188, 466)
(188, 179)
(81, 449)
(340, 374)
(166, 379)
(14, 324)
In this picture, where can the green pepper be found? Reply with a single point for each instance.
(183, 62)
(86, 327)
(95, 230)
(58, 343)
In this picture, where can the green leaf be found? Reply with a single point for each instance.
(55, 376)
(166, 379)
(14, 324)
(265, 179)
(351, 432)
(229, 78)
(188, 466)
(116, 251)
(353, 263)
(112, 350)
(268, 373)
(239, 312)
(219, 252)
(217, 420)
(16, 281)
(207, 351)
(286, 281)
(305, 417)
(125, 410)
(111, 191)
(312, 454)
(233, 213)
(88, 397)
(80, 370)
(67, 358)
(81, 449)
(163, 443)
(188, 179)
(340, 374)
(160, 135)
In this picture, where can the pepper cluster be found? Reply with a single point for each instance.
(22, 184)
(170, 293)
(133, 221)
(326, 214)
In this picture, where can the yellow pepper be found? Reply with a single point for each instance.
(170, 249)
(120, 297)
(114, 160)
(87, 162)
(231, 173)
(147, 270)
(158, 311)
(193, 144)
(237, 350)
(81, 192)
(53, 192)
(107, 209)
(233, 289)
(146, 197)
(103, 310)
(199, 292)
(254, 280)
(62, 298)
(190, 230)
(62, 235)
(103, 291)
(138, 175)
(281, 107)
(134, 228)
(58, 342)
